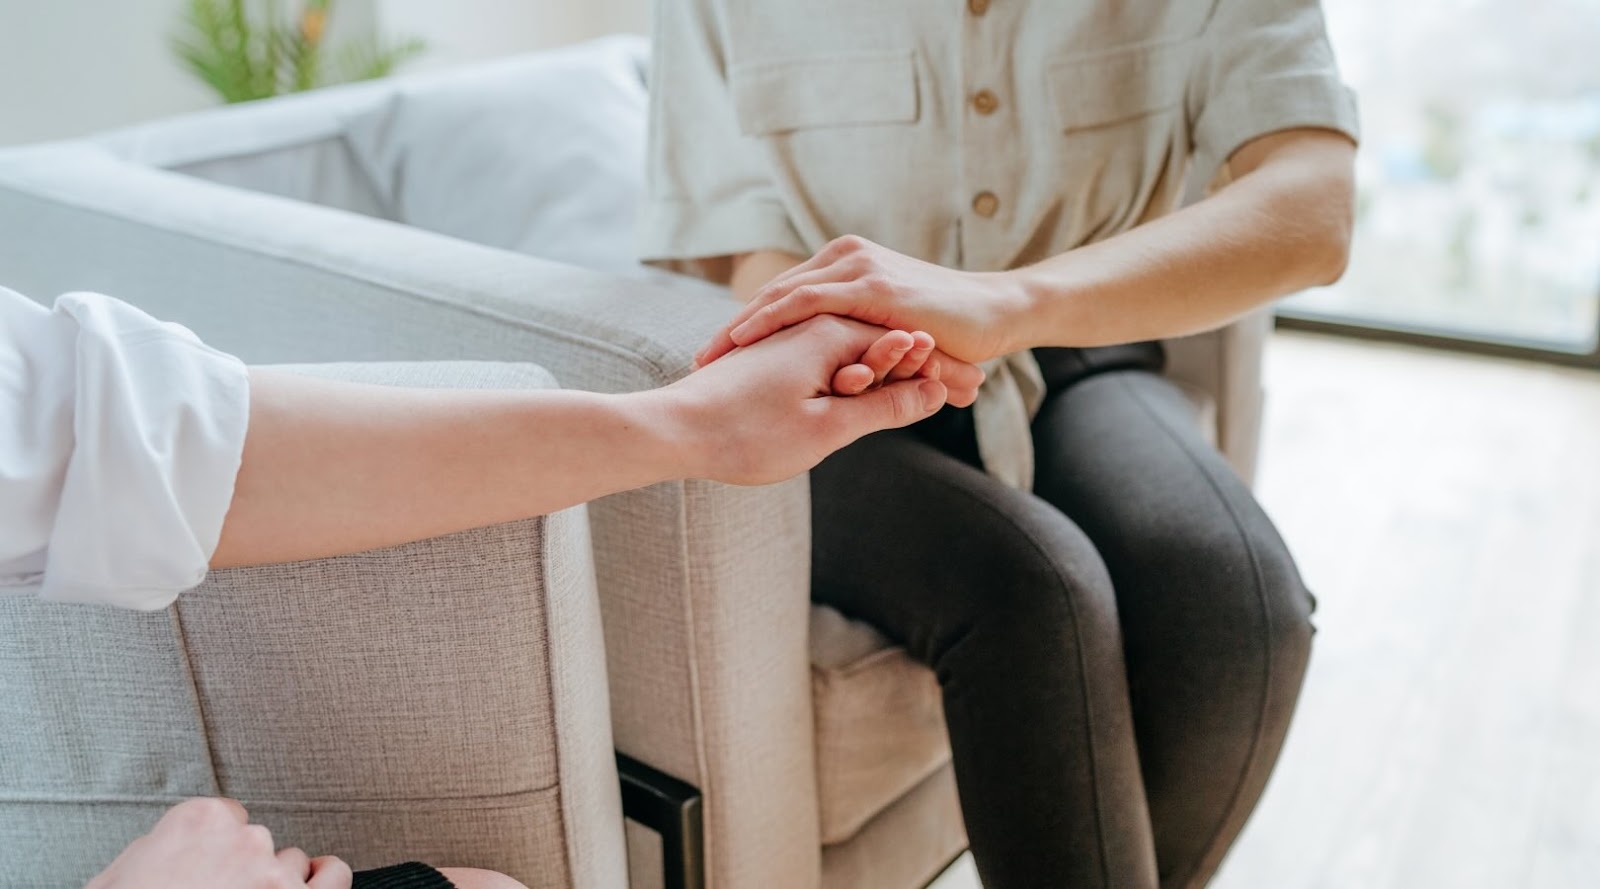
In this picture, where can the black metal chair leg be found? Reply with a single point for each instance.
(671, 808)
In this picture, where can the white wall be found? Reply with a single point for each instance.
(465, 30)
(69, 67)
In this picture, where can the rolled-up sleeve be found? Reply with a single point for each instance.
(1263, 66)
(709, 192)
(123, 440)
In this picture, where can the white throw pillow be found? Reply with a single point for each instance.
(542, 154)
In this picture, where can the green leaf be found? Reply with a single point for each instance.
(243, 57)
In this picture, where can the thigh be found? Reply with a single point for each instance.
(923, 545)
(1196, 561)
(1215, 619)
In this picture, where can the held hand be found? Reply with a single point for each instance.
(205, 843)
(965, 312)
(896, 355)
(767, 412)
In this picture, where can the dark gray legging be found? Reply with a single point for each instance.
(1119, 652)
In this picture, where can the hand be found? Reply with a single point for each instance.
(896, 355)
(966, 312)
(766, 412)
(207, 843)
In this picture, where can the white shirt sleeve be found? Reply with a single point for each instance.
(120, 440)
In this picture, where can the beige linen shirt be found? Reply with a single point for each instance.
(980, 135)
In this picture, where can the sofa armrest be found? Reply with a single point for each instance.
(704, 588)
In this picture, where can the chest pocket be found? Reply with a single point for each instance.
(838, 90)
(1119, 86)
(1123, 133)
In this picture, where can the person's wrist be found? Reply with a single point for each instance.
(1014, 302)
(672, 431)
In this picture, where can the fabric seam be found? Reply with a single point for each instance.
(176, 617)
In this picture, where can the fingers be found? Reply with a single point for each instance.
(295, 862)
(847, 298)
(853, 379)
(896, 355)
(961, 378)
(915, 357)
(329, 872)
(720, 345)
(894, 405)
(888, 352)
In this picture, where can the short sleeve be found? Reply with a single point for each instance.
(708, 189)
(140, 430)
(1263, 66)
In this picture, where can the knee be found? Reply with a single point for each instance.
(1041, 582)
(472, 878)
(1247, 587)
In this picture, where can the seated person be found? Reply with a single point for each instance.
(106, 413)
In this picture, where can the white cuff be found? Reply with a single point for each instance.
(159, 422)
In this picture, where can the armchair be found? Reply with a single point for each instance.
(815, 748)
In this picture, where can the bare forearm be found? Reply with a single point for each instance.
(1282, 226)
(332, 468)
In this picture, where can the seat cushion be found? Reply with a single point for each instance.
(879, 722)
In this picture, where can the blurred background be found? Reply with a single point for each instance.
(1432, 442)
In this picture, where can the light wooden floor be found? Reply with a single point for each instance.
(1446, 511)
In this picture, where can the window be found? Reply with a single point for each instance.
(1478, 214)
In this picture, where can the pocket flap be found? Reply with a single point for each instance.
(824, 91)
(1117, 85)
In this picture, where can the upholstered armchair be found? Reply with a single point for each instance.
(460, 698)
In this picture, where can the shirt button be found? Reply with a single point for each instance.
(985, 204)
(978, 7)
(985, 102)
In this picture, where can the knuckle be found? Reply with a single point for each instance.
(827, 425)
(901, 406)
(878, 284)
(256, 838)
(851, 243)
(201, 810)
(860, 265)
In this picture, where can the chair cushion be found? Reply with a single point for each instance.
(879, 722)
(542, 154)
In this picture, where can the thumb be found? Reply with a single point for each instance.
(890, 407)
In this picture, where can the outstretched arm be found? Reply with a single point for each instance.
(332, 468)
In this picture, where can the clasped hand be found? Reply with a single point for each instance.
(965, 312)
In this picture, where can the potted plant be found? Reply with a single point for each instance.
(254, 50)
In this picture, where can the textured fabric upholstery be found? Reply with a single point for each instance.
(906, 845)
(880, 722)
(703, 588)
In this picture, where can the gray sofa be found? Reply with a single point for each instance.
(449, 699)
